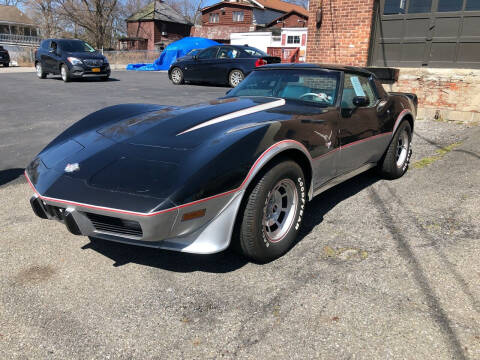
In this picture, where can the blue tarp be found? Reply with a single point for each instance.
(172, 52)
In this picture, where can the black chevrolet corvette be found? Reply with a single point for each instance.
(237, 169)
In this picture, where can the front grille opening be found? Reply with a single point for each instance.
(108, 224)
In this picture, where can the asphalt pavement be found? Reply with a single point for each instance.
(382, 269)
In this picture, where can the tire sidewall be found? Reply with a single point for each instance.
(268, 249)
(399, 171)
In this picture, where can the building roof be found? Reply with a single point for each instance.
(284, 16)
(283, 6)
(11, 14)
(158, 10)
(278, 5)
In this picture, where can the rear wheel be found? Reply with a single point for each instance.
(6, 64)
(64, 73)
(177, 76)
(272, 213)
(39, 70)
(396, 159)
(235, 77)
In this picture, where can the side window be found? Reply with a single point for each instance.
(53, 46)
(227, 53)
(208, 53)
(357, 85)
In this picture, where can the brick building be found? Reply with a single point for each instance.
(236, 16)
(154, 27)
(435, 43)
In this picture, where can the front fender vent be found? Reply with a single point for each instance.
(116, 226)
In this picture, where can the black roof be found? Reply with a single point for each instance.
(353, 69)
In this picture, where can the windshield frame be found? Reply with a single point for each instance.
(297, 71)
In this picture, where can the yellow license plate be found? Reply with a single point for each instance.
(96, 70)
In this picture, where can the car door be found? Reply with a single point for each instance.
(226, 60)
(359, 126)
(202, 67)
(44, 55)
(51, 58)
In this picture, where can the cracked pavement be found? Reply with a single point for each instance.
(382, 269)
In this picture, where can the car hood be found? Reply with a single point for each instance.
(146, 157)
(86, 55)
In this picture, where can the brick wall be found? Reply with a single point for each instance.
(448, 94)
(143, 29)
(344, 35)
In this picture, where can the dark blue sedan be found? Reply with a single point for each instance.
(222, 64)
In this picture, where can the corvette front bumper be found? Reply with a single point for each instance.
(207, 234)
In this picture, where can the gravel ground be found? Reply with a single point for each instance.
(383, 269)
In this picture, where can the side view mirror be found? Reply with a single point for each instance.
(360, 101)
(52, 51)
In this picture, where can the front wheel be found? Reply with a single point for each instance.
(272, 213)
(39, 70)
(6, 64)
(235, 77)
(65, 74)
(177, 76)
(395, 161)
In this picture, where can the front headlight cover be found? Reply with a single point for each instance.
(74, 61)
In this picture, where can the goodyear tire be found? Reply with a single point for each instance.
(272, 212)
(395, 161)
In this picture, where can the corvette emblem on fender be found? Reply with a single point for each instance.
(72, 167)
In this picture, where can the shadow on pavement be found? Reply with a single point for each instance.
(9, 175)
(226, 261)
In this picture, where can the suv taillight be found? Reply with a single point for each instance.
(260, 62)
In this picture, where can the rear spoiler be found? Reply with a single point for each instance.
(385, 75)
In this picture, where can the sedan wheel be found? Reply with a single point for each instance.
(39, 71)
(270, 218)
(235, 77)
(177, 76)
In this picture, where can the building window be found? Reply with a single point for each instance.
(238, 16)
(214, 18)
(472, 5)
(419, 6)
(394, 7)
(294, 39)
(450, 5)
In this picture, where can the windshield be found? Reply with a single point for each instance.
(313, 86)
(76, 46)
(254, 51)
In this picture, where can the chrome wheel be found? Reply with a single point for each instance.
(63, 72)
(176, 76)
(236, 77)
(280, 210)
(403, 146)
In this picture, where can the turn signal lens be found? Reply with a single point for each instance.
(260, 62)
(194, 215)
